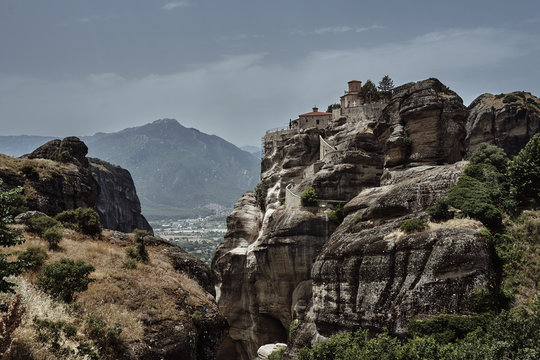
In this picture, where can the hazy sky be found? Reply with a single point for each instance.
(236, 68)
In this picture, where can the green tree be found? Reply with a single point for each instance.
(524, 173)
(386, 85)
(332, 107)
(309, 197)
(369, 91)
(64, 278)
(8, 237)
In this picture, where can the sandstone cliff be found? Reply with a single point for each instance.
(58, 176)
(388, 167)
(506, 120)
(117, 204)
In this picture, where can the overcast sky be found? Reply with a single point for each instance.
(236, 68)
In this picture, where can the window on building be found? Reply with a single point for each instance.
(317, 122)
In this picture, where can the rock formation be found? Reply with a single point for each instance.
(506, 120)
(291, 263)
(424, 123)
(57, 176)
(117, 204)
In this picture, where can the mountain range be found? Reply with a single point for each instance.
(178, 171)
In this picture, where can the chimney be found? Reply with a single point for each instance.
(315, 109)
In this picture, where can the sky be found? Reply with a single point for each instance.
(239, 67)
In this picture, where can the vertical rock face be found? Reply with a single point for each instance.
(372, 275)
(292, 264)
(263, 273)
(424, 123)
(506, 120)
(117, 204)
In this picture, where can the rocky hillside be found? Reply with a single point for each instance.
(299, 274)
(162, 308)
(58, 176)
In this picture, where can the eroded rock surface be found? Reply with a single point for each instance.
(424, 123)
(372, 275)
(506, 120)
(117, 204)
(263, 273)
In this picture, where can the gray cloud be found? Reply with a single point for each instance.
(174, 5)
(239, 97)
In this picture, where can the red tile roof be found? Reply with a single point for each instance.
(315, 113)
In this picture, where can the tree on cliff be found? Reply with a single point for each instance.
(369, 92)
(8, 237)
(386, 85)
(524, 173)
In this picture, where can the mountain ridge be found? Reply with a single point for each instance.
(177, 170)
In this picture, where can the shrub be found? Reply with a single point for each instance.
(524, 173)
(49, 333)
(510, 99)
(447, 328)
(261, 190)
(30, 172)
(129, 263)
(64, 278)
(32, 258)
(88, 221)
(490, 155)
(53, 236)
(85, 220)
(413, 225)
(293, 326)
(472, 198)
(68, 219)
(439, 211)
(277, 354)
(104, 335)
(337, 215)
(309, 197)
(39, 224)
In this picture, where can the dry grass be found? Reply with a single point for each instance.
(117, 295)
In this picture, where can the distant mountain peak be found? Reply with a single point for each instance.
(166, 122)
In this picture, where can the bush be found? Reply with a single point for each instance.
(447, 328)
(68, 219)
(413, 225)
(293, 326)
(39, 224)
(277, 354)
(337, 215)
(472, 198)
(53, 236)
(309, 197)
(439, 211)
(30, 172)
(64, 278)
(32, 258)
(487, 154)
(104, 335)
(84, 220)
(88, 221)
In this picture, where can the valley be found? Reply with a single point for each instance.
(198, 236)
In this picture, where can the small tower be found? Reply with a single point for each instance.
(354, 86)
